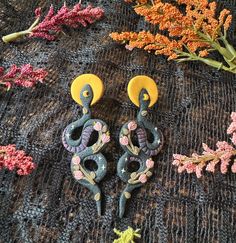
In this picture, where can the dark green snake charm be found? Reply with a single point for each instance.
(79, 144)
(141, 154)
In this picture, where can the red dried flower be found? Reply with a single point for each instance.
(24, 76)
(52, 24)
(223, 155)
(13, 159)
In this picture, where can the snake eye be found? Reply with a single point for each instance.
(86, 93)
(146, 97)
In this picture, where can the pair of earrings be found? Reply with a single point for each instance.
(86, 90)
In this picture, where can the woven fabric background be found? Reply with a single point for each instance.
(194, 106)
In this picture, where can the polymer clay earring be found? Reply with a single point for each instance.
(86, 90)
(143, 92)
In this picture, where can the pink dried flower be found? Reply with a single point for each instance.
(24, 76)
(78, 175)
(132, 126)
(13, 159)
(198, 171)
(128, 47)
(149, 163)
(124, 141)
(233, 116)
(232, 128)
(76, 160)
(142, 178)
(53, 23)
(233, 139)
(105, 138)
(210, 158)
(233, 168)
(97, 126)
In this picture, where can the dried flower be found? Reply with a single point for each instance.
(190, 35)
(209, 159)
(52, 24)
(13, 159)
(24, 76)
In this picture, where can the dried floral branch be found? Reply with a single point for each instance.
(53, 24)
(13, 159)
(210, 158)
(24, 76)
(192, 35)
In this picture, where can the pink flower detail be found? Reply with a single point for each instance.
(231, 128)
(142, 178)
(128, 47)
(132, 126)
(38, 12)
(190, 168)
(198, 171)
(233, 116)
(25, 76)
(223, 168)
(97, 126)
(124, 141)
(233, 168)
(105, 138)
(76, 160)
(234, 138)
(211, 166)
(224, 146)
(206, 149)
(13, 159)
(149, 163)
(78, 175)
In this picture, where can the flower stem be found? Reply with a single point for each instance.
(17, 35)
(185, 56)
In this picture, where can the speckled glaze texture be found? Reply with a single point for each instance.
(142, 153)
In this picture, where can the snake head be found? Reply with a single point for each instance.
(144, 99)
(86, 95)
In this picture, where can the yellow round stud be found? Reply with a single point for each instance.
(138, 83)
(94, 81)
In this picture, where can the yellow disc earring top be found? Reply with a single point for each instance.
(93, 81)
(139, 83)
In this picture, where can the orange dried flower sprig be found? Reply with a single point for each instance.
(192, 35)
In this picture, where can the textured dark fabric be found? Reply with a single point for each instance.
(194, 106)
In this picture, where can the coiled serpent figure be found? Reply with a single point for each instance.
(141, 154)
(79, 144)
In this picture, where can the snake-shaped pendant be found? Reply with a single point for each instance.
(84, 89)
(143, 152)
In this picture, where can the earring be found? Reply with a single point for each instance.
(86, 90)
(143, 92)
